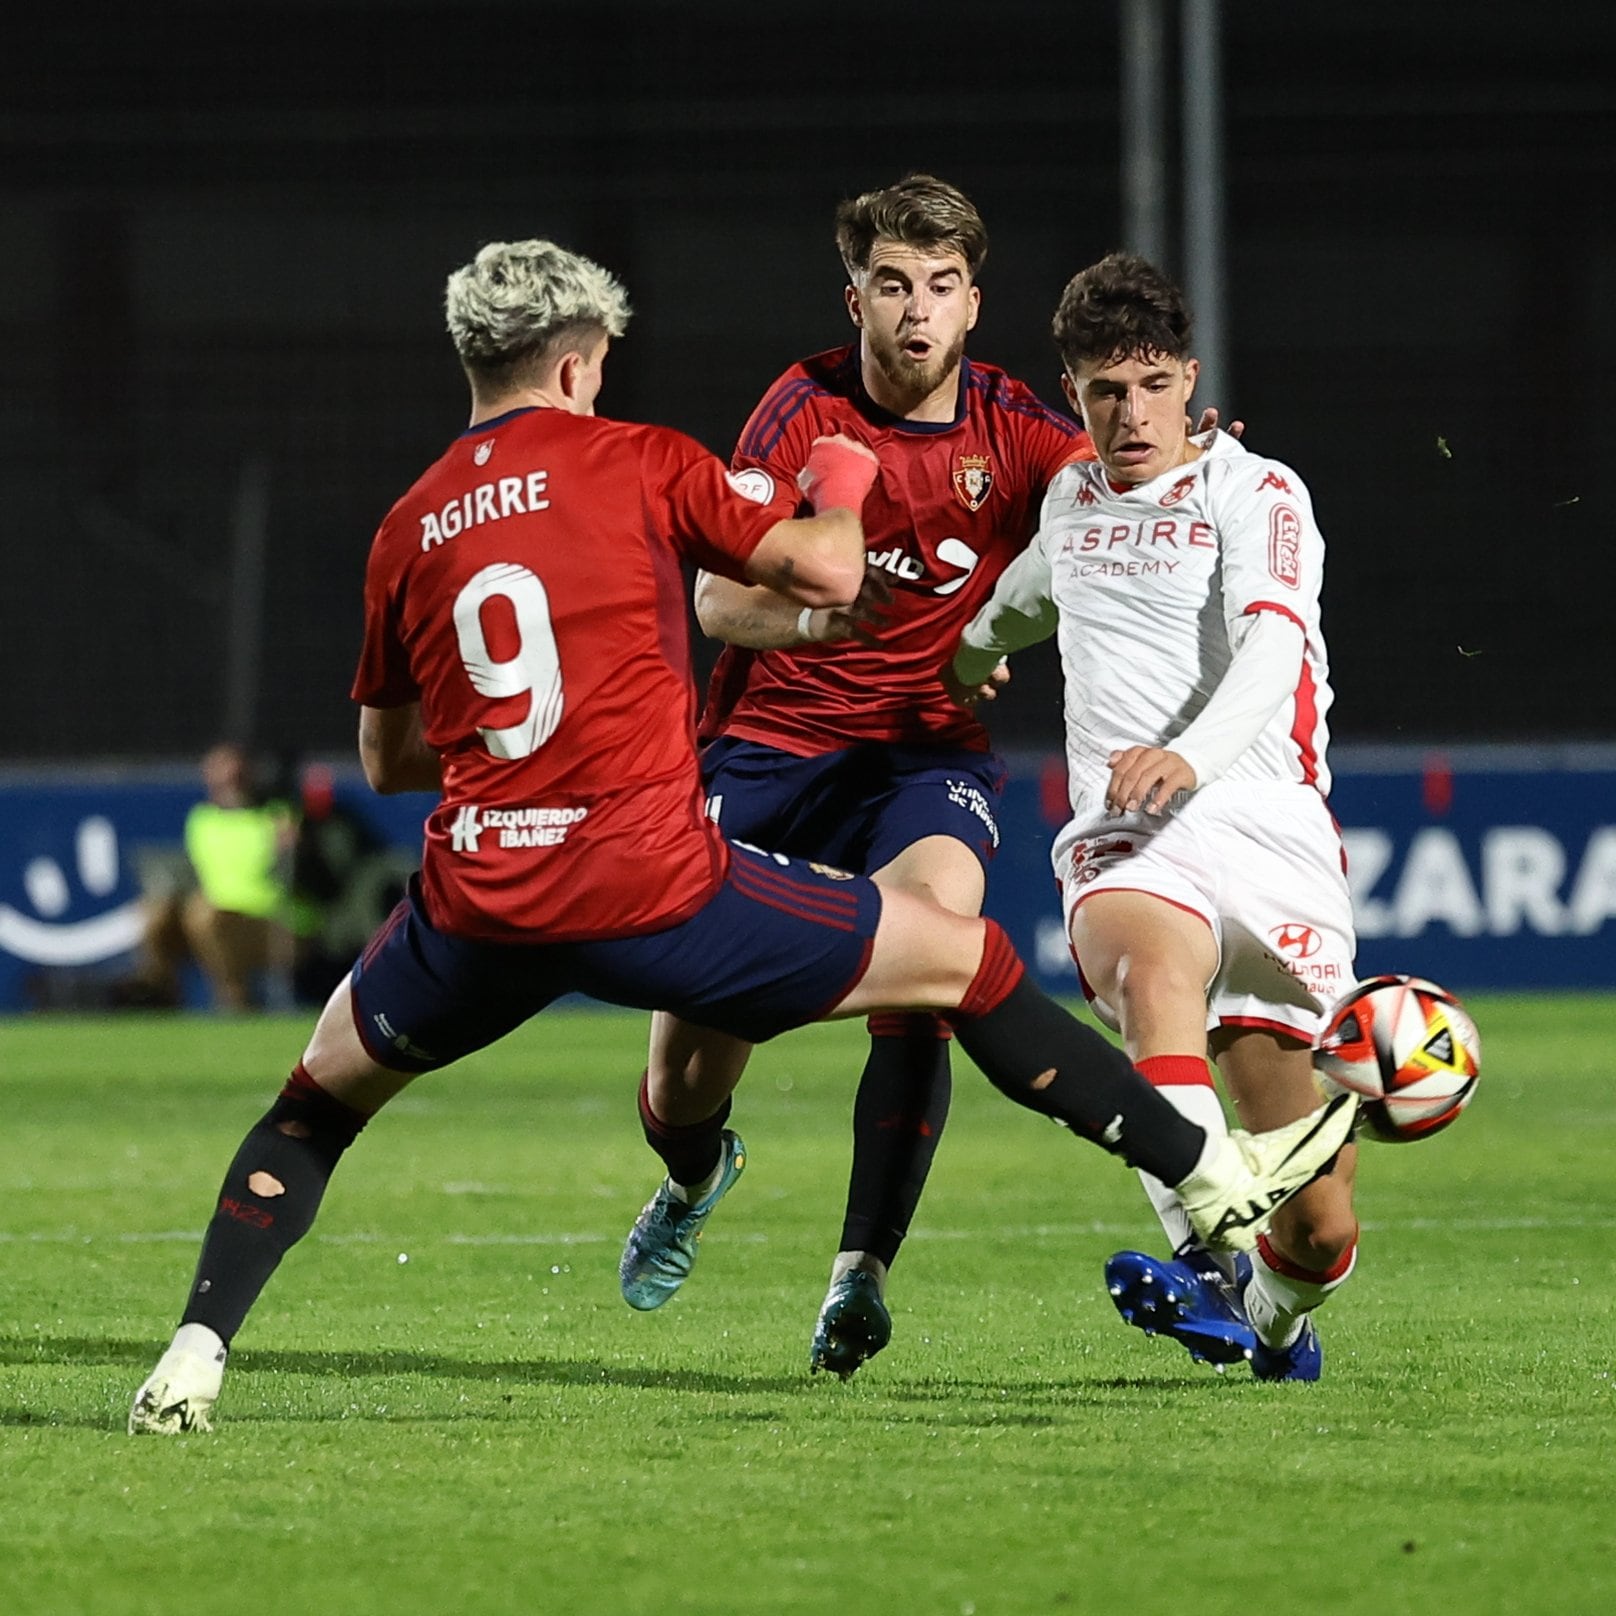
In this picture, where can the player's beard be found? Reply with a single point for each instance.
(916, 379)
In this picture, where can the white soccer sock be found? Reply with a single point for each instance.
(1185, 1082)
(199, 1340)
(1282, 1294)
(691, 1193)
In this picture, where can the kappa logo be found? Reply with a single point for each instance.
(1178, 491)
(1300, 942)
(973, 480)
(484, 453)
(1087, 496)
(1274, 480)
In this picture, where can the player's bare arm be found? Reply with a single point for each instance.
(815, 561)
(394, 753)
(818, 561)
(761, 620)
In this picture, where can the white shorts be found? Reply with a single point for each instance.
(1261, 863)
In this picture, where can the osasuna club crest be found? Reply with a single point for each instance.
(973, 480)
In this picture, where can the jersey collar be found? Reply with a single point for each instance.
(897, 423)
(499, 420)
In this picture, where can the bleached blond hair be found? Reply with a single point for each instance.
(515, 307)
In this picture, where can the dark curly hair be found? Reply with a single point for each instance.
(920, 211)
(1119, 308)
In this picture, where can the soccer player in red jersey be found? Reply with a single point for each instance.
(525, 655)
(828, 734)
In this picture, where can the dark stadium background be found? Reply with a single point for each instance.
(225, 230)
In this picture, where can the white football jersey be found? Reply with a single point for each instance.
(1152, 588)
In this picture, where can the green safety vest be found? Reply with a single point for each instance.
(234, 852)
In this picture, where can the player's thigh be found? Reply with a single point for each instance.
(933, 825)
(779, 944)
(1285, 907)
(342, 1066)
(922, 958)
(1129, 942)
(807, 806)
(940, 869)
(418, 998)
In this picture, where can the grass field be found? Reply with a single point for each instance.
(442, 1404)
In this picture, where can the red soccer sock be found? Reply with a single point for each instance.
(1282, 1293)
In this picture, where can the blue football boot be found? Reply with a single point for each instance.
(661, 1247)
(1303, 1359)
(1186, 1298)
(853, 1325)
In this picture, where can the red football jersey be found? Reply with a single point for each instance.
(955, 503)
(528, 592)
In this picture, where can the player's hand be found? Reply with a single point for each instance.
(862, 621)
(1147, 777)
(968, 696)
(1209, 423)
(838, 473)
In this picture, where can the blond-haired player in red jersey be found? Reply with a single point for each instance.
(1204, 880)
(525, 655)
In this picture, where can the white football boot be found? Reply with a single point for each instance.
(1242, 1179)
(181, 1391)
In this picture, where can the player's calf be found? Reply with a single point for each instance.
(1038, 1055)
(1317, 1228)
(267, 1203)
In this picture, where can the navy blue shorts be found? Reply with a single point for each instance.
(857, 808)
(780, 944)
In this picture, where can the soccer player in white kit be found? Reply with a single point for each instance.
(1203, 876)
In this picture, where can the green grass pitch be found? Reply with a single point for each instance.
(442, 1405)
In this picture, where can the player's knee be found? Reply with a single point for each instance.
(1317, 1228)
(925, 958)
(1146, 987)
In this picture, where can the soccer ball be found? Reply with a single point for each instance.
(1409, 1048)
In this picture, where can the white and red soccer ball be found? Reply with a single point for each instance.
(1409, 1048)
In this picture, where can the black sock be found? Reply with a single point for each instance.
(1038, 1055)
(268, 1200)
(690, 1153)
(898, 1118)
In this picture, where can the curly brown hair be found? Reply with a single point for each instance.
(920, 211)
(1122, 307)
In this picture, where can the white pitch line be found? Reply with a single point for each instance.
(1030, 1231)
